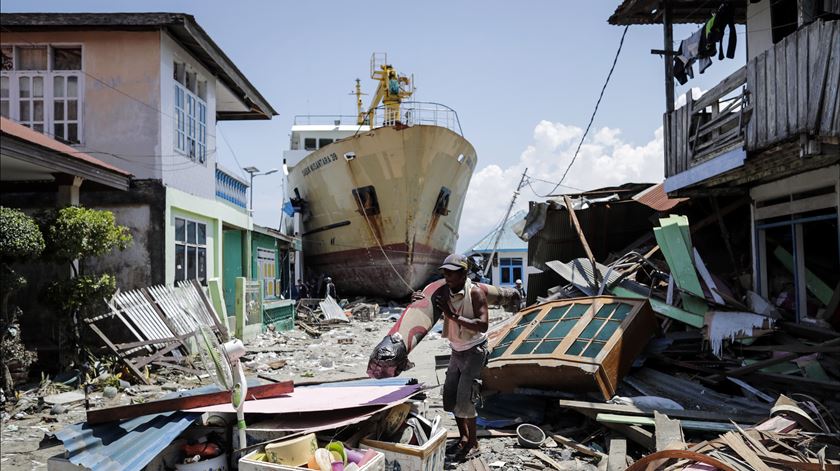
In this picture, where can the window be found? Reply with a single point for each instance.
(324, 142)
(310, 143)
(190, 250)
(366, 200)
(267, 272)
(511, 270)
(41, 87)
(190, 113)
(442, 203)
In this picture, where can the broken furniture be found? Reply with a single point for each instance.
(160, 319)
(581, 344)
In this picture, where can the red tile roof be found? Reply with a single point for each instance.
(22, 132)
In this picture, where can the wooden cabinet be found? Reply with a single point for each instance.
(580, 344)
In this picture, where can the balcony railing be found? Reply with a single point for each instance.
(795, 87)
(231, 188)
(787, 91)
(708, 126)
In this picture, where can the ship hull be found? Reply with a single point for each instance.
(389, 240)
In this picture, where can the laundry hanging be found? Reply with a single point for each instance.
(703, 44)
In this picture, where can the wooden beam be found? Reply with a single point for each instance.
(744, 370)
(617, 460)
(568, 442)
(101, 416)
(686, 424)
(668, 44)
(669, 434)
(583, 242)
(593, 407)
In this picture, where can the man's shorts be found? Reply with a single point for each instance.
(461, 390)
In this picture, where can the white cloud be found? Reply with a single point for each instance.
(604, 160)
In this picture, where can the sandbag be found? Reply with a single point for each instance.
(390, 357)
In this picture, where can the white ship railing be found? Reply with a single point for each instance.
(414, 113)
(310, 119)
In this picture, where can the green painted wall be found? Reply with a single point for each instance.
(232, 265)
(262, 241)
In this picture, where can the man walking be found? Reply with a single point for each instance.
(464, 309)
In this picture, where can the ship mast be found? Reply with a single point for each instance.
(392, 89)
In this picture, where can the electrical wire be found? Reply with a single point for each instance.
(592, 118)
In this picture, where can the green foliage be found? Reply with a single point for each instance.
(83, 294)
(19, 235)
(78, 232)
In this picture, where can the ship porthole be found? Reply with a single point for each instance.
(460, 158)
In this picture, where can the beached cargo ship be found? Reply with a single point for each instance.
(380, 194)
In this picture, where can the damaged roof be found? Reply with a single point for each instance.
(181, 26)
(646, 12)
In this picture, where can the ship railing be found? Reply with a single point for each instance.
(310, 119)
(414, 113)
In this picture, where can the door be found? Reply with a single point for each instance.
(232, 266)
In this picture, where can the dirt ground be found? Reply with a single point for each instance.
(27, 441)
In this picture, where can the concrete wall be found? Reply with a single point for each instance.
(178, 170)
(211, 212)
(759, 34)
(121, 130)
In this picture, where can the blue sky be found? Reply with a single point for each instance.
(523, 77)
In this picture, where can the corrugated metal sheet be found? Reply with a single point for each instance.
(125, 446)
(656, 198)
(128, 445)
(609, 227)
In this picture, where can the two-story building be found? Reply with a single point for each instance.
(769, 132)
(143, 92)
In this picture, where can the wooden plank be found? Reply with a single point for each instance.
(137, 373)
(780, 92)
(568, 442)
(583, 242)
(830, 103)
(707, 277)
(594, 407)
(820, 32)
(671, 241)
(662, 308)
(744, 370)
(735, 80)
(209, 306)
(643, 462)
(669, 161)
(770, 94)
(802, 80)
(751, 89)
(687, 115)
(760, 96)
(100, 416)
(635, 433)
(669, 434)
(617, 460)
(791, 82)
(744, 451)
(551, 462)
(678, 139)
(649, 421)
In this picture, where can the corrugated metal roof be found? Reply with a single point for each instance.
(644, 12)
(509, 239)
(656, 198)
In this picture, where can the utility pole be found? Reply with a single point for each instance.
(502, 227)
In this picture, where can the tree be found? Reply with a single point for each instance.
(20, 239)
(74, 235)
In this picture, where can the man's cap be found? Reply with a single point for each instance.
(518, 282)
(455, 262)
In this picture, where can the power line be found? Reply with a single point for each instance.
(594, 112)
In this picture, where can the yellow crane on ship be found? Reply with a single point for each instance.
(391, 90)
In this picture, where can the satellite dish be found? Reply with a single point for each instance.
(221, 361)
